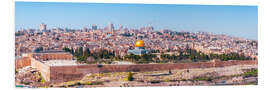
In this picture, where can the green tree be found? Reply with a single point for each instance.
(72, 51)
(66, 49)
(87, 52)
(130, 76)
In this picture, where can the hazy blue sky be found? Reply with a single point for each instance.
(238, 21)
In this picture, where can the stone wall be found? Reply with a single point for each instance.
(68, 73)
(43, 68)
(22, 62)
(56, 56)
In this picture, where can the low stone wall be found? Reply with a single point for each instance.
(43, 68)
(68, 73)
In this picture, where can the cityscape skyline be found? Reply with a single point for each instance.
(88, 45)
(240, 21)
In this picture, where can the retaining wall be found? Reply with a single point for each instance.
(68, 73)
(56, 56)
(25, 61)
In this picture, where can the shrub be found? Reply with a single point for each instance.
(203, 79)
(27, 83)
(251, 73)
(155, 81)
(88, 83)
(92, 83)
(78, 83)
(74, 84)
(42, 80)
(130, 76)
(167, 80)
(96, 83)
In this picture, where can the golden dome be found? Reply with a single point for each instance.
(139, 43)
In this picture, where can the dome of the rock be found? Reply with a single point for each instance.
(139, 43)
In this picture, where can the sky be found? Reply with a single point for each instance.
(240, 21)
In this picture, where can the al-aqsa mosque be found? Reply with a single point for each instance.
(139, 48)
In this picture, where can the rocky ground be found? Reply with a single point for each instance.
(29, 77)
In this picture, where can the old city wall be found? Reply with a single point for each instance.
(68, 73)
(43, 68)
(56, 56)
(235, 62)
(25, 61)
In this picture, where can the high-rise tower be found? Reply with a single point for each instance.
(110, 27)
(94, 27)
(43, 27)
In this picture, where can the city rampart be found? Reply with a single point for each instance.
(68, 73)
(56, 56)
(22, 62)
